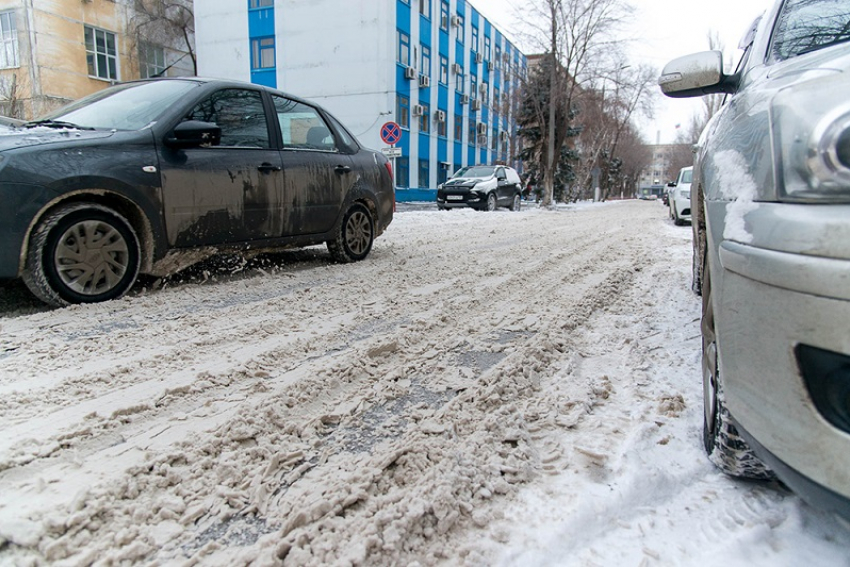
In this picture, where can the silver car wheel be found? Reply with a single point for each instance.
(491, 202)
(91, 257)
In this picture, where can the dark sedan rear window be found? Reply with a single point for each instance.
(809, 25)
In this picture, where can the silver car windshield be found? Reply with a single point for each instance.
(131, 106)
(477, 171)
(809, 25)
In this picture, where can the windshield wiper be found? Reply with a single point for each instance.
(56, 124)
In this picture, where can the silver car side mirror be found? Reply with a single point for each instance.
(694, 75)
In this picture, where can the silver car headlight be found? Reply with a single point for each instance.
(811, 124)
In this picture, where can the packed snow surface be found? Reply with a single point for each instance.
(484, 389)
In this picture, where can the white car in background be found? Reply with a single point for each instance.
(679, 197)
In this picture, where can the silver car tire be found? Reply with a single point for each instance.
(491, 202)
(724, 445)
(82, 253)
(355, 235)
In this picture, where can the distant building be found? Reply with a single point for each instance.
(667, 159)
(438, 68)
(54, 52)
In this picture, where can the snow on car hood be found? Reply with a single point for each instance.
(22, 138)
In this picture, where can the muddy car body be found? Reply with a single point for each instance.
(151, 176)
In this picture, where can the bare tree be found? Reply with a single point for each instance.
(579, 36)
(168, 23)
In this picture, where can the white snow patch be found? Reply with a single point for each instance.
(736, 183)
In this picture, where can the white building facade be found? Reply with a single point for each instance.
(437, 68)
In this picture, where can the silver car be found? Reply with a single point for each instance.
(679, 197)
(771, 221)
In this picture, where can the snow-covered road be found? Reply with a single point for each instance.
(484, 389)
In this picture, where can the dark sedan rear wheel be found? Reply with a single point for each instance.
(723, 444)
(516, 203)
(355, 235)
(82, 253)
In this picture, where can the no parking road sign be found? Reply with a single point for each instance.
(391, 133)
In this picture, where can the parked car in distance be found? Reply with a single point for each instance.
(679, 200)
(483, 187)
(771, 222)
(152, 176)
(651, 192)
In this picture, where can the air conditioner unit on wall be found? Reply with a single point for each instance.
(476, 105)
(464, 99)
(490, 66)
(482, 140)
(424, 81)
(479, 58)
(417, 110)
(481, 128)
(455, 21)
(410, 73)
(456, 68)
(503, 135)
(440, 116)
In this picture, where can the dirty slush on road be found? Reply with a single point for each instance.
(377, 413)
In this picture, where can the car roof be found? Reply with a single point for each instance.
(223, 83)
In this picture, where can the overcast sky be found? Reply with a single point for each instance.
(663, 30)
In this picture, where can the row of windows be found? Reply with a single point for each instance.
(101, 51)
(403, 117)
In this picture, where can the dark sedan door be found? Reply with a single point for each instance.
(317, 170)
(231, 192)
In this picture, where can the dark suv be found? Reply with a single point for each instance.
(152, 176)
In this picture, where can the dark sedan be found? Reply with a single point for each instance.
(151, 176)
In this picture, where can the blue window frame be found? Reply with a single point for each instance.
(444, 16)
(486, 48)
(459, 82)
(474, 45)
(255, 4)
(426, 60)
(403, 111)
(262, 53)
(425, 8)
(444, 70)
(402, 172)
(403, 48)
(424, 172)
(461, 33)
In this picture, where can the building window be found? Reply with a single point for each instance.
(254, 4)
(402, 172)
(471, 131)
(425, 8)
(404, 49)
(444, 70)
(485, 92)
(458, 127)
(459, 82)
(151, 60)
(426, 60)
(498, 57)
(424, 172)
(443, 173)
(262, 53)
(403, 111)
(473, 86)
(424, 119)
(474, 46)
(444, 16)
(495, 141)
(461, 34)
(486, 48)
(9, 37)
(101, 53)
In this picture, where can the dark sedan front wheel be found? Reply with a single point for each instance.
(82, 253)
(355, 235)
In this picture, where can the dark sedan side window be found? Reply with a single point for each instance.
(301, 126)
(809, 25)
(240, 115)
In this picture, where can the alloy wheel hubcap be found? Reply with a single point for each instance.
(358, 232)
(92, 257)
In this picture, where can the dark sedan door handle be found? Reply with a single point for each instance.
(267, 168)
(342, 169)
